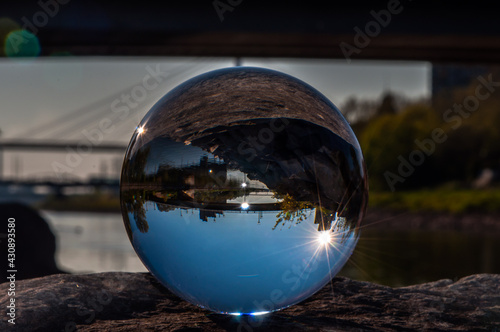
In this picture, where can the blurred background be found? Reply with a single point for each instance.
(418, 82)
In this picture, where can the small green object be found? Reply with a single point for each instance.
(22, 43)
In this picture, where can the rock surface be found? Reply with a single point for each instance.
(117, 301)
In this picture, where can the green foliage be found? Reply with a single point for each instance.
(292, 211)
(471, 136)
(439, 200)
(91, 202)
(388, 136)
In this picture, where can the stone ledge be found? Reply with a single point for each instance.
(118, 301)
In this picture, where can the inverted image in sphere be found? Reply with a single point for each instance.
(243, 190)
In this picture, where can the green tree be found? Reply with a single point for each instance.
(389, 136)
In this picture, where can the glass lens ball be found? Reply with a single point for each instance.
(243, 190)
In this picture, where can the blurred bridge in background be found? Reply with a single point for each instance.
(50, 145)
(438, 32)
(32, 189)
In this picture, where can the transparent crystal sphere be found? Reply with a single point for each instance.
(243, 189)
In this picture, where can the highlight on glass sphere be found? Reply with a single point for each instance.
(243, 190)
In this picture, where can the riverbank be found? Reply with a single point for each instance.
(390, 219)
(447, 200)
(102, 203)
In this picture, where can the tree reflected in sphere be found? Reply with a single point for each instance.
(243, 190)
